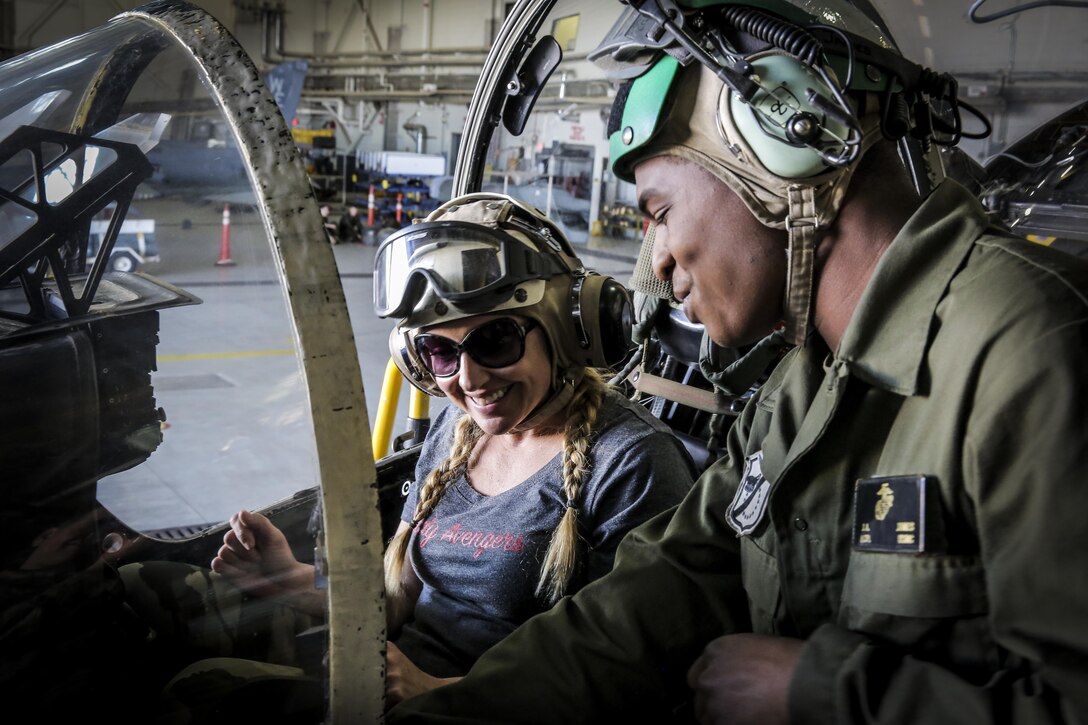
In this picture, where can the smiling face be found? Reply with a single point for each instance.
(498, 398)
(727, 268)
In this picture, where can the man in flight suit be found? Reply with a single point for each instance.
(896, 534)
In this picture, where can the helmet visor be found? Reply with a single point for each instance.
(459, 261)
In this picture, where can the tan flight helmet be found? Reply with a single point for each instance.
(483, 253)
(778, 99)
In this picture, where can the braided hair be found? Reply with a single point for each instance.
(562, 556)
(466, 434)
(560, 561)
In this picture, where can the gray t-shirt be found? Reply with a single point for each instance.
(479, 557)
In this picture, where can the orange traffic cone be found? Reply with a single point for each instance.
(370, 209)
(224, 244)
(400, 208)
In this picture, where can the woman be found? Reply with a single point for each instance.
(527, 482)
(533, 475)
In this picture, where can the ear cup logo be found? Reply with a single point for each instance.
(779, 104)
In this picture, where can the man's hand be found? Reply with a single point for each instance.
(403, 679)
(257, 559)
(744, 678)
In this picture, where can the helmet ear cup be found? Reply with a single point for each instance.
(781, 124)
(616, 320)
(404, 357)
(602, 314)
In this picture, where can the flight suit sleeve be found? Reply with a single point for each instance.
(1026, 470)
(620, 647)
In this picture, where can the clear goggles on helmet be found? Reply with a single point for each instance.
(460, 261)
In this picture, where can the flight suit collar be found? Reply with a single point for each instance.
(886, 340)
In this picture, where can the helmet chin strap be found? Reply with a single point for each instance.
(801, 263)
(736, 378)
(801, 225)
(560, 398)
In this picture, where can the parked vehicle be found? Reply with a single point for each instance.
(135, 245)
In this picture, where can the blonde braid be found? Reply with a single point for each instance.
(560, 560)
(465, 436)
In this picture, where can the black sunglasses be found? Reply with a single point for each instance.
(494, 344)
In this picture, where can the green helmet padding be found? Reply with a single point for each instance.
(643, 112)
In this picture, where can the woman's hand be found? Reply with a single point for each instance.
(257, 559)
(403, 679)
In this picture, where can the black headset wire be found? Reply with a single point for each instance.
(803, 45)
(972, 12)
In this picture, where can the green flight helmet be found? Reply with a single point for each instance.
(782, 60)
(778, 99)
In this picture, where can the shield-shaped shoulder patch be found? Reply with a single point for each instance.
(750, 502)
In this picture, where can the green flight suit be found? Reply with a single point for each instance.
(965, 362)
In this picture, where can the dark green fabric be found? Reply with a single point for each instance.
(195, 613)
(231, 691)
(965, 362)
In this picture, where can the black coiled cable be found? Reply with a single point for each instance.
(784, 35)
(896, 117)
(935, 84)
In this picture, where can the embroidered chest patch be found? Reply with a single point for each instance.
(890, 514)
(750, 502)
